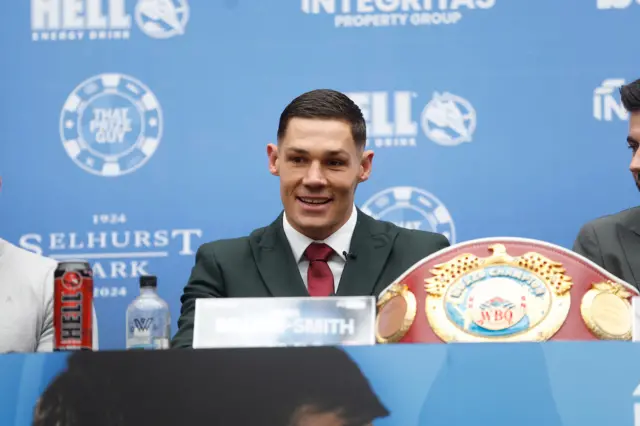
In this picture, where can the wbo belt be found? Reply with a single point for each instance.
(504, 290)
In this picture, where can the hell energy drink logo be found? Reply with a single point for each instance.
(71, 281)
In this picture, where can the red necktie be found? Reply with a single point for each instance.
(319, 276)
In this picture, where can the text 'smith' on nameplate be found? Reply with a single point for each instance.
(286, 321)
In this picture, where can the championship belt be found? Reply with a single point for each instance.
(504, 290)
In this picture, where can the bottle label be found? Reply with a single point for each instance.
(149, 331)
(142, 327)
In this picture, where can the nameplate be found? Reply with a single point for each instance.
(286, 321)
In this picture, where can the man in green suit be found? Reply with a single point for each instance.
(321, 244)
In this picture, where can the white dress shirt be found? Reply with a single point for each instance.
(26, 301)
(339, 241)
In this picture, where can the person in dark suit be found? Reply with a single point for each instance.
(613, 241)
(321, 244)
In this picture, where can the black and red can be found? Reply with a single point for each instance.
(73, 306)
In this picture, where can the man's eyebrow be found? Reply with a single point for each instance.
(632, 140)
(336, 152)
(297, 150)
(328, 153)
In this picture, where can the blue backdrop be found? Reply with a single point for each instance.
(134, 131)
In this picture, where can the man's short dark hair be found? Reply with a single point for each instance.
(630, 95)
(326, 104)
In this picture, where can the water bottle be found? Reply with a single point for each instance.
(148, 318)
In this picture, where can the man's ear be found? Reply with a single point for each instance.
(272, 153)
(365, 166)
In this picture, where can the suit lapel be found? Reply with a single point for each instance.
(371, 243)
(629, 235)
(274, 259)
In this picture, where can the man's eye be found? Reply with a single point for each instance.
(335, 163)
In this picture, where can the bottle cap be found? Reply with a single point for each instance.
(148, 281)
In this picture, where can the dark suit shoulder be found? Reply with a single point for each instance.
(598, 237)
(234, 246)
(610, 221)
(223, 247)
(414, 238)
(225, 243)
(420, 238)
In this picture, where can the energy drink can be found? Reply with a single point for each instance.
(73, 306)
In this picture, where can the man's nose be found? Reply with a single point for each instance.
(635, 162)
(315, 175)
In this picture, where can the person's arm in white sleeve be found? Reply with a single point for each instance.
(46, 335)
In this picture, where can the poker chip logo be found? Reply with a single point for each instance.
(162, 18)
(111, 125)
(411, 208)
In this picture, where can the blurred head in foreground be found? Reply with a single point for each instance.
(270, 387)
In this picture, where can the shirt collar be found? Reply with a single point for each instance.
(339, 241)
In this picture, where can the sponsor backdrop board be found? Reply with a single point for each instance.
(135, 130)
(530, 384)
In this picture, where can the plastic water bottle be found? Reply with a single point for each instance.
(148, 318)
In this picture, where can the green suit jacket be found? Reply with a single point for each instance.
(262, 265)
